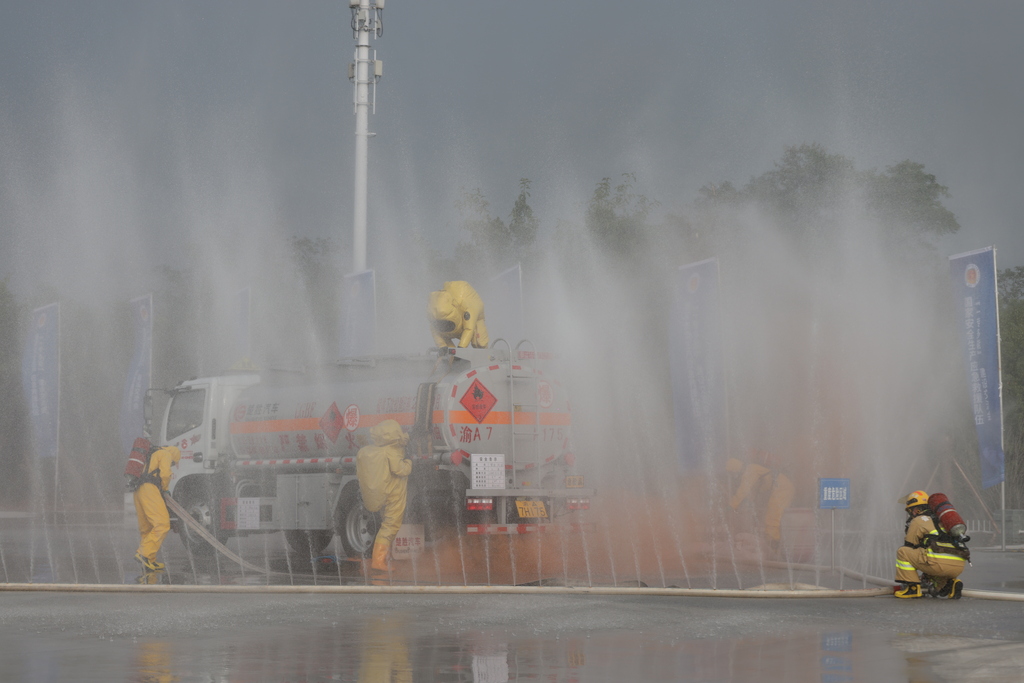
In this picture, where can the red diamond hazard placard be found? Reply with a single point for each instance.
(478, 400)
(332, 422)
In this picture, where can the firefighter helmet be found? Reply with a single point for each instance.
(916, 498)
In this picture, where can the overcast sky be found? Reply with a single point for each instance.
(130, 127)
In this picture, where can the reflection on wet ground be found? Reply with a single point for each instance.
(305, 638)
(381, 650)
(393, 647)
(295, 638)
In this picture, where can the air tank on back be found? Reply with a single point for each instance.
(946, 515)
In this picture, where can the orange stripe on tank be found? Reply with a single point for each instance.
(501, 417)
(306, 424)
(263, 426)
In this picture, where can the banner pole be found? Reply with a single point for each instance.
(833, 539)
(56, 454)
(1002, 429)
(1002, 502)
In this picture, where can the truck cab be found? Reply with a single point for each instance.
(195, 411)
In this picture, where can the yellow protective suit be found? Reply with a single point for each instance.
(383, 471)
(941, 560)
(457, 311)
(154, 520)
(778, 486)
(385, 656)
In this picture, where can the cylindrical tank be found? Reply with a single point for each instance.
(475, 408)
(281, 421)
(946, 515)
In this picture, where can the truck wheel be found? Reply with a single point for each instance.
(357, 526)
(198, 509)
(309, 543)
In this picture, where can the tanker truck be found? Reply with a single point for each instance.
(490, 440)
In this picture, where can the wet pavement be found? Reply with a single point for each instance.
(143, 636)
(492, 638)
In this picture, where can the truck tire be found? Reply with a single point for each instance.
(200, 509)
(309, 543)
(356, 526)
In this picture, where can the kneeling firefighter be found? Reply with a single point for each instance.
(154, 520)
(383, 472)
(457, 311)
(930, 550)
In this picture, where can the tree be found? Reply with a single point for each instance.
(617, 217)
(493, 242)
(1011, 334)
(522, 224)
(13, 417)
(806, 184)
(906, 196)
(815, 194)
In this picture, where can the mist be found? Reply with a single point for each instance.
(179, 148)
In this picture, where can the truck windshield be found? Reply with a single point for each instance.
(186, 412)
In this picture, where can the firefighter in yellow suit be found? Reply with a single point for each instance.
(779, 487)
(925, 548)
(383, 472)
(457, 311)
(154, 520)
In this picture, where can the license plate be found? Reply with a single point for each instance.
(574, 481)
(531, 508)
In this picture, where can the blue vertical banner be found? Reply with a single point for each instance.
(242, 329)
(359, 322)
(974, 291)
(140, 372)
(41, 380)
(696, 366)
(503, 306)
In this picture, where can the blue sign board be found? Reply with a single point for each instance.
(242, 314)
(833, 494)
(41, 377)
(974, 288)
(504, 297)
(140, 372)
(359, 322)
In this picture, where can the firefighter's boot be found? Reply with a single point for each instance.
(380, 557)
(953, 590)
(150, 565)
(911, 590)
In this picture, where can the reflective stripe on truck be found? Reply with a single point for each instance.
(513, 529)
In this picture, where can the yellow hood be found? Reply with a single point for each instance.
(388, 433)
(174, 452)
(442, 307)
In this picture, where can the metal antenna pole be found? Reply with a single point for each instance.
(364, 72)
